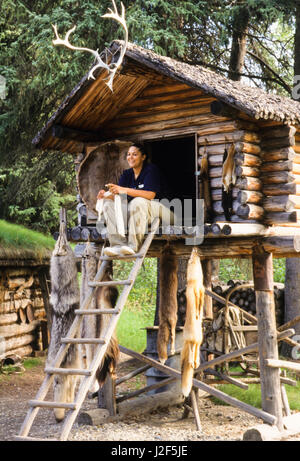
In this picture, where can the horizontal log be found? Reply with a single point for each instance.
(221, 138)
(286, 153)
(250, 211)
(245, 196)
(296, 168)
(273, 363)
(8, 331)
(288, 245)
(226, 127)
(296, 148)
(212, 150)
(278, 203)
(16, 342)
(295, 199)
(279, 177)
(279, 165)
(269, 144)
(243, 171)
(216, 194)
(278, 132)
(243, 159)
(7, 319)
(250, 184)
(282, 189)
(280, 217)
(213, 160)
(247, 147)
(218, 208)
(296, 158)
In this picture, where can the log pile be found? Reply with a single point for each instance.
(23, 325)
(247, 197)
(244, 298)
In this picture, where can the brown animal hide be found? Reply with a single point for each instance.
(228, 181)
(167, 303)
(192, 330)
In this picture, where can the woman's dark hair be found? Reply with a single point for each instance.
(141, 148)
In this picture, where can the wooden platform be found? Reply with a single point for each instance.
(218, 240)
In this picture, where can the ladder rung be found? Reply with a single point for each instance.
(45, 404)
(83, 341)
(33, 439)
(111, 283)
(96, 311)
(67, 371)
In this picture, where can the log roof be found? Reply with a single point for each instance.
(90, 106)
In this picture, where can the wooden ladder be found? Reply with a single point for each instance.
(88, 376)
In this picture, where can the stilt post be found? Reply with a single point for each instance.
(267, 335)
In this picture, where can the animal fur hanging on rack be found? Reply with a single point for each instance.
(228, 181)
(94, 326)
(64, 299)
(192, 330)
(167, 303)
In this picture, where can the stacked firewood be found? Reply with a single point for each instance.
(245, 298)
(22, 311)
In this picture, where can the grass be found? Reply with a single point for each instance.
(16, 240)
(252, 396)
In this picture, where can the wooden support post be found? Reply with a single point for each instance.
(267, 334)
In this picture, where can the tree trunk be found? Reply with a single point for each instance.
(292, 265)
(238, 47)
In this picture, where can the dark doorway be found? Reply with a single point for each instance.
(176, 159)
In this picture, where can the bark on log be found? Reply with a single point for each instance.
(243, 171)
(250, 211)
(138, 406)
(248, 148)
(270, 144)
(279, 177)
(278, 203)
(245, 196)
(279, 165)
(251, 184)
(282, 189)
(286, 153)
(279, 132)
(243, 159)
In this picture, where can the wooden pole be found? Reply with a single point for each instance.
(267, 335)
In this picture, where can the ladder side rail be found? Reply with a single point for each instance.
(48, 380)
(85, 383)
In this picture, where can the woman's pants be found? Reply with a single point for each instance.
(141, 212)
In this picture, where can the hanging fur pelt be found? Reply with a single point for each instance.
(167, 303)
(64, 299)
(94, 326)
(192, 330)
(228, 181)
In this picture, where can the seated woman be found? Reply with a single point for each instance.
(142, 183)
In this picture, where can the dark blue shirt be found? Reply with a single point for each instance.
(150, 179)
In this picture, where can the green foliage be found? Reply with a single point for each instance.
(16, 237)
(140, 307)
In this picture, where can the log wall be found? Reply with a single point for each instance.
(213, 139)
(23, 320)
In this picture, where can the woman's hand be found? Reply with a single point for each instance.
(115, 189)
(100, 194)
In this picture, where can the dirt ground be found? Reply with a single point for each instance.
(219, 422)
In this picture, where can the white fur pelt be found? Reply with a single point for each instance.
(192, 330)
(94, 326)
(64, 299)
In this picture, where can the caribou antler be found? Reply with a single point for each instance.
(111, 68)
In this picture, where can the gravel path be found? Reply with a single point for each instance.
(219, 422)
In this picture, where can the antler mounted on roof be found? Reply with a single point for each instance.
(112, 67)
